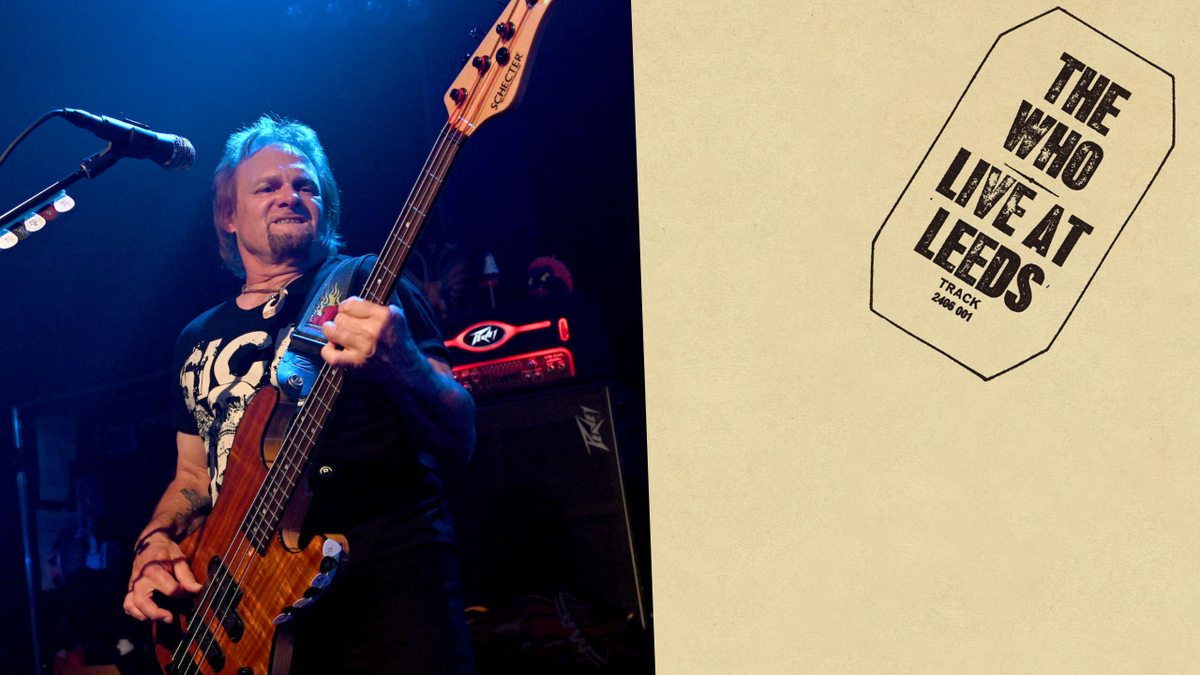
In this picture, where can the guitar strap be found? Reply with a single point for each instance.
(302, 361)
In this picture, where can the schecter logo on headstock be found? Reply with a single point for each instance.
(509, 76)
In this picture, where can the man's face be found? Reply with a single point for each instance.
(279, 211)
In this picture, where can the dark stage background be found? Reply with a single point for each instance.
(98, 296)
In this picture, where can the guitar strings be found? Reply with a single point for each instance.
(442, 157)
(224, 586)
(243, 536)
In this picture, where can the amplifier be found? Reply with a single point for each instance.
(543, 342)
(555, 499)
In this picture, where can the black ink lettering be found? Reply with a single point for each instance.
(1027, 130)
(931, 233)
(972, 258)
(1012, 207)
(1106, 107)
(509, 76)
(964, 195)
(1086, 93)
(956, 166)
(1078, 228)
(1039, 237)
(953, 245)
(1019, 303)
(1055, 148)
(1082, 165)
(999, 272)
(1071, 65)
(993, 189)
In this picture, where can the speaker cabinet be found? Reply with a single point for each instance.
(553, 502)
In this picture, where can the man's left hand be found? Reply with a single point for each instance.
(370, 339)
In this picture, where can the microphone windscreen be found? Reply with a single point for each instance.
(182, 157)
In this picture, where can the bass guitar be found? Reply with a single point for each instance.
(256, 575)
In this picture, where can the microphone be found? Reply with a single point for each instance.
(130, 139)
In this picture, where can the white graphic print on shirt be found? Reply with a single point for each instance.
(217, 397)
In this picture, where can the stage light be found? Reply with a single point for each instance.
(416, 10)
(338, 12)
(304, 14)
(299, 15)
(376, 12)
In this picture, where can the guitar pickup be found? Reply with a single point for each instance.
(233, 625)
(208, 646)
(226, 609)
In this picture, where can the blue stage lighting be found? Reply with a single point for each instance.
(337, 12)
(376, 12)
(299, 14)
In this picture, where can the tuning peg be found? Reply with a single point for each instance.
(478, 34)
(505, 30)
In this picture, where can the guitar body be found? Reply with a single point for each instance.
(264, 584)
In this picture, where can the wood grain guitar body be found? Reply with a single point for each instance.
(253, 582)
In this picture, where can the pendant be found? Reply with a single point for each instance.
(274, 304)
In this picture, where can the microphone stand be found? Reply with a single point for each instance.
(90, 168)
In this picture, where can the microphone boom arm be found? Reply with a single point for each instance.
(89, 168)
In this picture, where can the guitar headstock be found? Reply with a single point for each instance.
(495, 75)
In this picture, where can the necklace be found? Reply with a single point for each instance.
(274, 303)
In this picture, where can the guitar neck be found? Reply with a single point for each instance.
(411, 220)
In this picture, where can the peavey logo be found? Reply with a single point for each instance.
(589, 427)
(510, 76)
(485, 335)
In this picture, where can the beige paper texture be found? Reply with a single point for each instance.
(829, 495)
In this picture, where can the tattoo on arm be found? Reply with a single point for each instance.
(198, 501)
(186, 523)
(183, 524)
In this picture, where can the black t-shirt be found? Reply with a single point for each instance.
(379, 489)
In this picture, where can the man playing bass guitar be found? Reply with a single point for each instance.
(398, 606)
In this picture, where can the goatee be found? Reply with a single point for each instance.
(290, 245)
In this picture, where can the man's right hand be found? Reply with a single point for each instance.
(159, 566)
